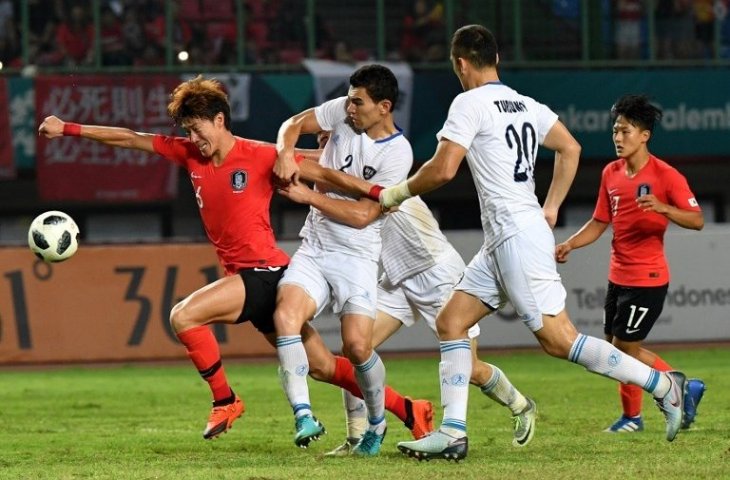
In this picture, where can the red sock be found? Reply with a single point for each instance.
(344, 377)
(395, 403)
(631, 398)
(203, 350)
(632, 395)
(661, 365)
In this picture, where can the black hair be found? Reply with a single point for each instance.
(476, 44)
(637, 110)
(378, 81)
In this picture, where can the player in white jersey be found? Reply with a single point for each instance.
(336, 263)
(498, 131)
(419, 270)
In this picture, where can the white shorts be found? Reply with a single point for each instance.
(522, 270)
(347, 283)
(422, 295)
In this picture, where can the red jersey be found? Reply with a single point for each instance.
(637, 248)
(233, 199)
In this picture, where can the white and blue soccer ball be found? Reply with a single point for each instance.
(53, 236)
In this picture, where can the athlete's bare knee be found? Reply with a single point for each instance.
(287, 321)
(180, 318)
(357, 352)
(449, 329)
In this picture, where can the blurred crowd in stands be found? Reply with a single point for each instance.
(684, 29)
(133, 33)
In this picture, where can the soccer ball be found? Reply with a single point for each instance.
(53, 236)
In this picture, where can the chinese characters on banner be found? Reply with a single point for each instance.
(70, 168)
(7, 164)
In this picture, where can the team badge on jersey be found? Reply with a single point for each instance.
(368, 172)
(239, 179)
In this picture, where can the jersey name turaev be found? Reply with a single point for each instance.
(510, 106)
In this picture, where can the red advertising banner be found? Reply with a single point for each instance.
(71, 168)
(7, 163)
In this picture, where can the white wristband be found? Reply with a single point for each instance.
(395, 195)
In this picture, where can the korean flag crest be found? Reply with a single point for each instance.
(239, 179)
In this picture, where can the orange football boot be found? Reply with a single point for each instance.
(419, 417)
(221, 418)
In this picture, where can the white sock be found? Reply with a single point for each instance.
(371, 380)
(599, 356)
(356, 416)
(293, 370)
(501, 390)
(455, 372)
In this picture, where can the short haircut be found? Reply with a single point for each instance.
(637, 110)
(378, 81)
(199, 98)
(476, 44)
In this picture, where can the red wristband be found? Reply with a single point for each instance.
(374, 193)
(71, 129)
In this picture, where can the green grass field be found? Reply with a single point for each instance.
(145, 422)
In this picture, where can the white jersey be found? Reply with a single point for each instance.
(501, 131)
(384, 162)
(412, 241)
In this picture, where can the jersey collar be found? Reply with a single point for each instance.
(396, 134)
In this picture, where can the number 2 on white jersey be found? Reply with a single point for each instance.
(525, 144)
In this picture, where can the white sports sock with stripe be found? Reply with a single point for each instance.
(371, 380)
(501, 390)
(293, 370)
(599, 356)
(356, 415)
(455, 372)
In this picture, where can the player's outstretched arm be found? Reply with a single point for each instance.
(53, 127)
(441, 169)
(334, 179)
(358, 214)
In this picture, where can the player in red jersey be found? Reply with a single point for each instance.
(639, 195)
(233, 185)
